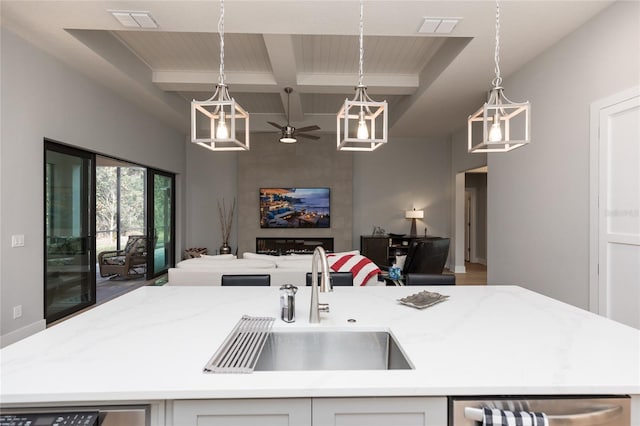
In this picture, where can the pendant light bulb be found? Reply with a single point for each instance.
(363, 131)
(495, 133)
(222, 132)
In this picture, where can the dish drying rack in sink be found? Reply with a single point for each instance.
(241, 349)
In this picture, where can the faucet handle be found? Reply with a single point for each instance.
(323, 307)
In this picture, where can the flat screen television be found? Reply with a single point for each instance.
(295, 208)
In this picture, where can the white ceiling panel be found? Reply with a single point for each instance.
(197, 51)
(309, 45)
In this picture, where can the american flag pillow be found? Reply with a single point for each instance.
(362, 268)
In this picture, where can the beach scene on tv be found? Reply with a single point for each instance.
(294, 208)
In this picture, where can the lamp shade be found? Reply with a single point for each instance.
(414, 214)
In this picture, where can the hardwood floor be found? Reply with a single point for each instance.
(476, 275)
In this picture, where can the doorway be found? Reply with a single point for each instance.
(470, 220)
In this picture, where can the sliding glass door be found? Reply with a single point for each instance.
(133, 201)
(160, 208)
(69, 222)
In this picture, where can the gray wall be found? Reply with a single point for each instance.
(478, 182)
(41, 97)
(461, 160)
(539, 194)
(210, 177)
(307, 163)
(404, 174)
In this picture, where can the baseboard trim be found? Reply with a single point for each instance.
(460, 269)
(480, 260)
(21, 333)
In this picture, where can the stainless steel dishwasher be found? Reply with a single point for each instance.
(125, 415)
(560, 410)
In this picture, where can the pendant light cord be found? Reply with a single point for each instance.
(497, 81)
(221, 33)
(361, 63)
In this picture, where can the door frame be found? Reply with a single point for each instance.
(89, 225)
(151, 173)
(471, 225)
(598, 290)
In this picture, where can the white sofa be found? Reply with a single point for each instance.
(290, 269)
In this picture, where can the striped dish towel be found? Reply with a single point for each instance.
(497, 417)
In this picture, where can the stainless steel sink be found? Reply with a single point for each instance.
(331, 350)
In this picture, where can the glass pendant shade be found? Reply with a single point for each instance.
(500, 125)
(362, 123)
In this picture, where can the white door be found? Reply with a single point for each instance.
(615, 165)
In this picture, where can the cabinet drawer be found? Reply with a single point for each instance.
(243, 412)
(383, 411)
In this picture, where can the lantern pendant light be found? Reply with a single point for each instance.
(362, 122)
(217, 123)
(500, 125)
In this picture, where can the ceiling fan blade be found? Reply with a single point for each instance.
(302, 135)
(276, 125)
(308, 128)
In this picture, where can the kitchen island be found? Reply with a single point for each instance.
(150, 346)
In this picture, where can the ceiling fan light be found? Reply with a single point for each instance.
(287, 135)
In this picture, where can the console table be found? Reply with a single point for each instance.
(289, 245)
(382, 250)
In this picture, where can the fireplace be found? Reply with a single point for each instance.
(291, 245)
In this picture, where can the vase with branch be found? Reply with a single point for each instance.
(226, 221)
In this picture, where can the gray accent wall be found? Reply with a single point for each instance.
(307, 163)
(42, 97)
(538, 202)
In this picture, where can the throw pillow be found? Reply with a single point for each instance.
(362, 268)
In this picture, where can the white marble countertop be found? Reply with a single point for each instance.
(153, 343)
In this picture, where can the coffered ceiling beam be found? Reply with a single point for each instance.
(284, 67)
(194, 81)
(381, 84)
(198, 81)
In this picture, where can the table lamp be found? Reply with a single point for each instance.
(413, 215)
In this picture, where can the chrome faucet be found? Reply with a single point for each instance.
(325, 284)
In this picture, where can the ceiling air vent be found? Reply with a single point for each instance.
(438, 25)
(134, 19)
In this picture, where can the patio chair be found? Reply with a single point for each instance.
(125, 263)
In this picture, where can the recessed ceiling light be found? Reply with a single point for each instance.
(432, 25)
(134, 19)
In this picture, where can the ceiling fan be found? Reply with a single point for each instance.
(290, 133)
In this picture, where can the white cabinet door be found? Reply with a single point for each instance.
(243, 412)
(383, 411)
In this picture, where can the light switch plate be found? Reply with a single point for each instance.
(17, 241)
